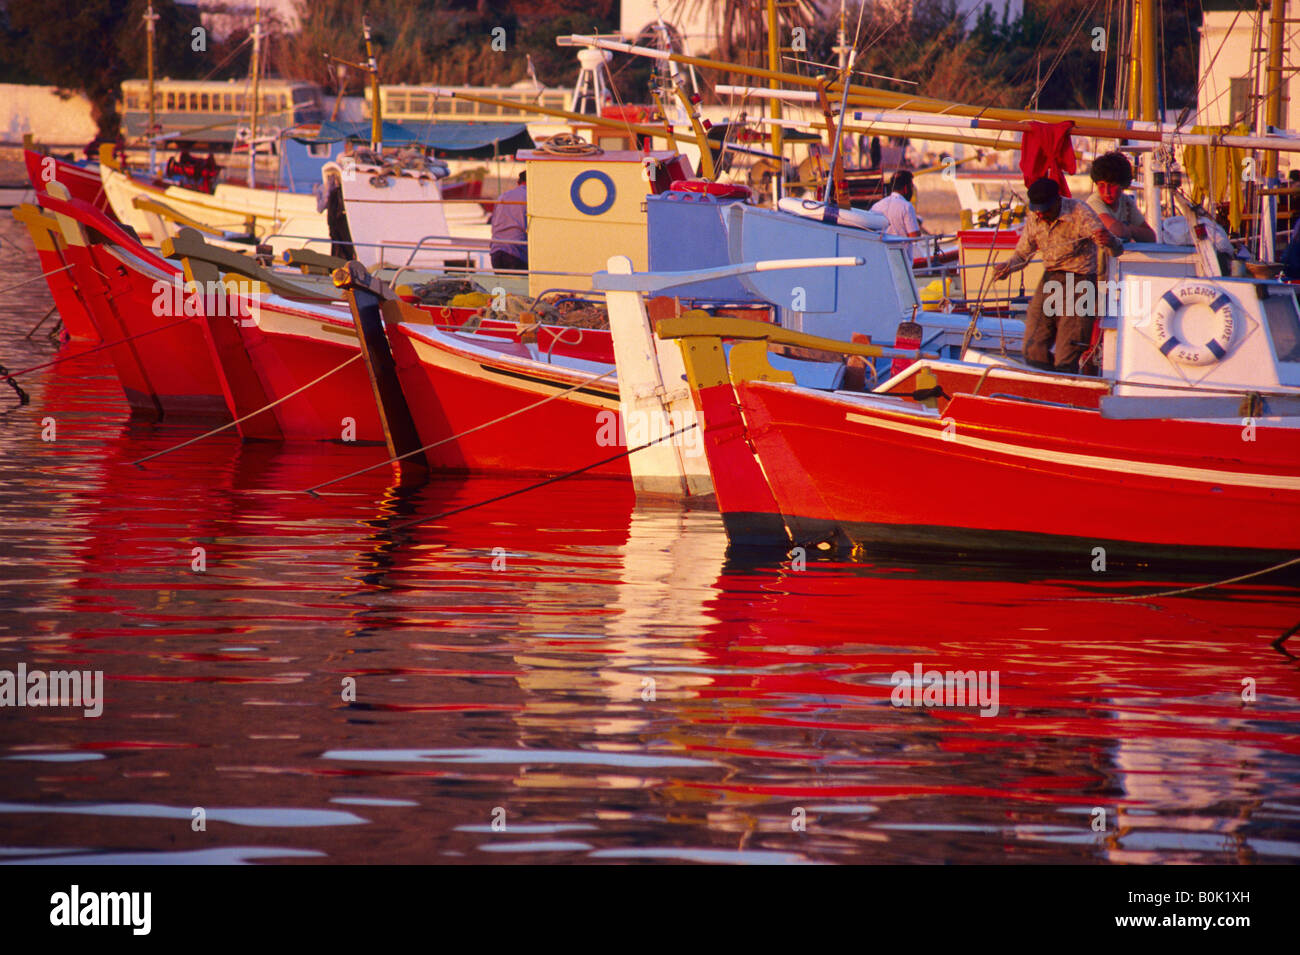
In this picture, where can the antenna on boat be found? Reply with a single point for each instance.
(841, 49)
(666, 40)
(835, 175)
(370, 68)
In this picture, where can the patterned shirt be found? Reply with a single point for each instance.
(1065, 244)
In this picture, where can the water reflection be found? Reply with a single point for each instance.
(565, 675)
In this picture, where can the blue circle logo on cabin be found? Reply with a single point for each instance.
(575, 193)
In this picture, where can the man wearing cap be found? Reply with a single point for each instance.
(1066, 234)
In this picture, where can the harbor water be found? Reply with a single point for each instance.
(565, 675)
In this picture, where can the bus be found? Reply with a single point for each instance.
(430, 104)
(212, 114)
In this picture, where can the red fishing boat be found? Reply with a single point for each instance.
(58, 270)
(466, 399)
(82, 182)
(1179, 451)
(1182, 452)
(160, 352)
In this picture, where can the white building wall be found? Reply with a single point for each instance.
(1226, 41)
(53, 120)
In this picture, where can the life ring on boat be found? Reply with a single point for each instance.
(588, 209)
(1177, 299)
(812, 209)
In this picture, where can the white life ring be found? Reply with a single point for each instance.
(1173, 302)
(812, 209)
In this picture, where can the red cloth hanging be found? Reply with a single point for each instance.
(1046, 153)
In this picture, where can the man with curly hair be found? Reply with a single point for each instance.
(1111, 175)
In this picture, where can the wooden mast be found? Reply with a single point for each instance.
(149, 19)
(1273, 85)
(774, 66)
(1144, 95)
(372, 66)
(1146, 22)
(257, 69)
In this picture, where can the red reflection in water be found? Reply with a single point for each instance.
(580, 661)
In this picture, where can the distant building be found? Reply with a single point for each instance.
(224, 16)
(698, 20)
(1233, 75)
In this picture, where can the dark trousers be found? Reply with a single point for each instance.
(508, 260)
(1058, 325)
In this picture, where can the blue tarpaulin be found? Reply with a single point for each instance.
(459, 138)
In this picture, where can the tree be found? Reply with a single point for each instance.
(91, 46)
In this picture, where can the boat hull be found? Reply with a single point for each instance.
(159, 347)
(59, 271)
(452, 386)
(1014, 479)
(82, 182)
(291, 346)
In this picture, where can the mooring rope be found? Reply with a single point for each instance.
(43, 275)
(1189, 590)
(532, 487)
(100, 347)
(251, 414)
(455, 437)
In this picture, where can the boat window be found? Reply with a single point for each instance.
(462, 107)
(397, 102)
(203, 102)
(553, 100)
(228, 102)
(1284, 325)
(239, 103)
(318, 150)
(170, 101)
(304, 94)
(194, 102)
(418, 103)
(132, 101)
(489, 109)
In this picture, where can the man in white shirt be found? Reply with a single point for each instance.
(898, 209)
